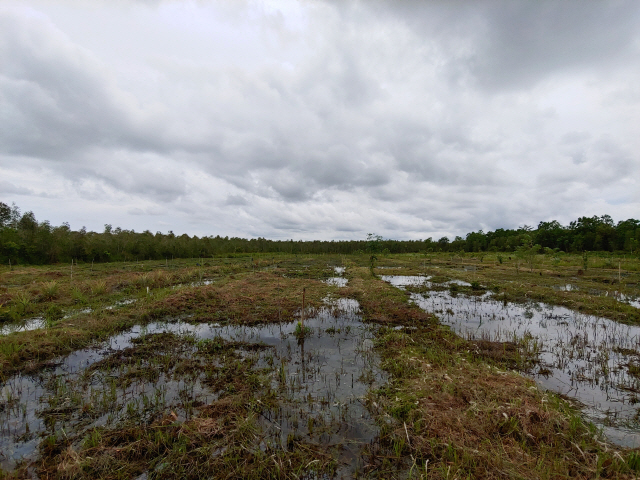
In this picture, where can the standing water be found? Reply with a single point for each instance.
(320, 371)
(339, 280)
(591, 359)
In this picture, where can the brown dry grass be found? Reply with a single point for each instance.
(263, 297)
(381, 304)
(486, 423)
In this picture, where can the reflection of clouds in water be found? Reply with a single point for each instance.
(587, 356)
(23, 326)
(337, 281)
(327, 374)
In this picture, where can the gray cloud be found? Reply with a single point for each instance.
(524, 42)
(321, 119)
(516, 44)
(7, 188)
(55, 98)
(236, 200)
(146, 211)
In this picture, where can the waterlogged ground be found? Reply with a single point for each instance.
(319, 371)
(208, 369)
(339, 280)
(40, 322)
(37, 323)
(591, 359)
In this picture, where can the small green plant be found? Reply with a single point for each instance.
(6, 314)
(53, 313)
(78, 296)
(398, 446)
(50, 290)
(22, 300)
(527, 252)
(99, 287)
(633, 460)
(10, 348)
(634, 370)
(302, 331)
(608, 263)
(210, 345)
(282, 374)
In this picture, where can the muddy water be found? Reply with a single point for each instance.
(584, 357)
(320, 380)
(31, 406)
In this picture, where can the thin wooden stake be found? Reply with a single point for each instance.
(304, 290)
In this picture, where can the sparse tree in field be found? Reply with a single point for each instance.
(527, 251)
(5, 214)
(374, 243)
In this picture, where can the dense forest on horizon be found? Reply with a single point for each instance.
(24, 240)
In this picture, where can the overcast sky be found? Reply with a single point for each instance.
(320, 119)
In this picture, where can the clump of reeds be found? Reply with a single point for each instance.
(99, 287)
(50, 290)
(23, 301)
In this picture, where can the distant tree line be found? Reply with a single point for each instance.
(24, 240)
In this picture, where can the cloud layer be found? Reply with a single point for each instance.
(320, 119)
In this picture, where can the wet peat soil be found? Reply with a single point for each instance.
(222, 372)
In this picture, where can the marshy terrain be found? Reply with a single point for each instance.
(443, 366)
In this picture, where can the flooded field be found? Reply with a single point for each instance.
(316, 367)
(320, 371)
(593, 360)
